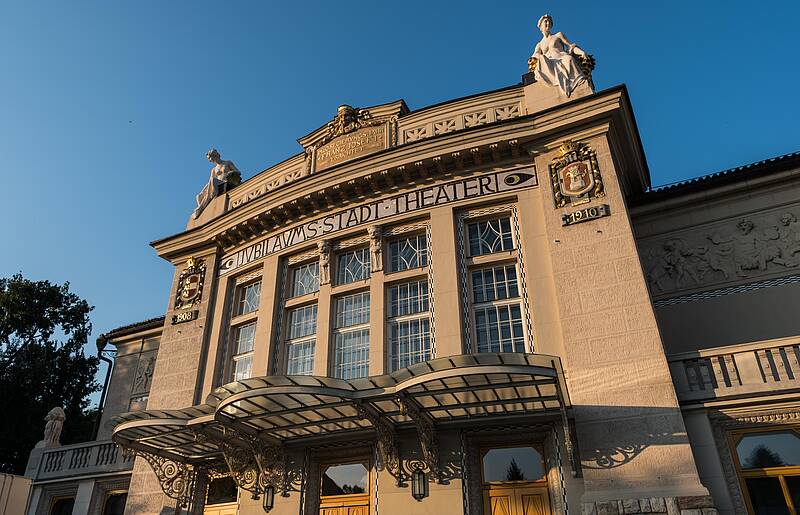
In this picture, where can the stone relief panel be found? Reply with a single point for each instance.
(284, 175)
(740, 250)
(144, 373)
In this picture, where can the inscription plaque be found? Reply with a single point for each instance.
(585, 214)
(350, 146)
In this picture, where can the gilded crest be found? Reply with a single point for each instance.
(575, 175)
(190, 284)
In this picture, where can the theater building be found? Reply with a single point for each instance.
(476, 307)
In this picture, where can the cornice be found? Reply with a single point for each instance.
(409, 165)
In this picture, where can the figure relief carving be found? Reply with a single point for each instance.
(144, 375)
(748, 249)
(376, 247)
(224, 175)
(558, 62)
(54, 422)
(324, 249)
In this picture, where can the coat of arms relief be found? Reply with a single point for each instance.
(190, 284)
(730, 252)
(575, 175)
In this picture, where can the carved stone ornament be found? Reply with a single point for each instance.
(354, 132)
(324, 249)
(375, 248)
(190, 284)
(575, 175)
(761, 245)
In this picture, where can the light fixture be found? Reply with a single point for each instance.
(269, 498)
(419, 484)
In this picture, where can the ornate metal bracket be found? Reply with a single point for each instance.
(254, 465)
(574, 462)
(387, 444)
(177, 479)
(427, 434)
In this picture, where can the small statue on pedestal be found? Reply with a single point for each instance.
(558, 62)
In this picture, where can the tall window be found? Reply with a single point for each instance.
(243, 330)
(489, 236)
(351, 336)
(305, 279)
(407, 253)
(409, 324)
(352, 266)
(497, 309)
(494, 293)
(301, 339)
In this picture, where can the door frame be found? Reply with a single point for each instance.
(541, 436)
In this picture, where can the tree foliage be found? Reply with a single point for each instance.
(43, 328)
(513, 472)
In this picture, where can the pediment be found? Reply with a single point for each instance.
(352, 133)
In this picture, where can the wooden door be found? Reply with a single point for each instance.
(221, 509)
(517, 499)
(345, 505)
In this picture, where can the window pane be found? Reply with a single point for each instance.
(300, 359)
(352, 310)
(303, 321)
(245, 335)
(408, 298)
(793, 485)
(115, 504)
(513, 464)
(766, 496)
(489, 236)
(499, 329)
(410, 341)
(345, 479)
(63, 507)
(496, 283)
(352, 354)
(242, 367)
(249, 296)
(353, 266)
(305, 279)
(406, 253)
(222, 490)
(762, 450)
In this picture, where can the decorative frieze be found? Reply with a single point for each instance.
(455, 122)
(731, 251)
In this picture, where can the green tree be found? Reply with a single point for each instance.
(43, 328)
(513, 472)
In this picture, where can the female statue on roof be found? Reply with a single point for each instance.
(555, 59)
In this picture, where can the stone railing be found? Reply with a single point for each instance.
(767, 367)
(81, 459)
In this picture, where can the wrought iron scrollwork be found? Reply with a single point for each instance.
(253, 464)
(177, 479)
(387, 445)
(426, 430)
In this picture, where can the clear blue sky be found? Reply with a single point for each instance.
(108, 108)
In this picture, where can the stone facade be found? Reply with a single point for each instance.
(654, 321)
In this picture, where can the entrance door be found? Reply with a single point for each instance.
(514, 482)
